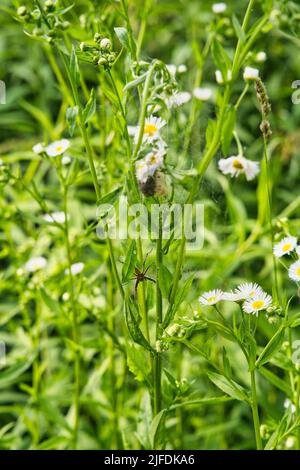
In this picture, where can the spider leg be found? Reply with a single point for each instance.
(149, 279)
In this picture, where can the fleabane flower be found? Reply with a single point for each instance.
(151, 131)
(232, 296)
(248, 290)
(155, 159)
(257, 303)
(38, 148)
(202, 94)
(142, 171)
(58, 147)
(237, 165)
(294, 271)
(250, 73)
(34, 264)
(211, 297)
(285, 246)
(76, 268)
(57, 217)
(219, 8)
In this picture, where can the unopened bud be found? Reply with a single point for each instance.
(105, 43)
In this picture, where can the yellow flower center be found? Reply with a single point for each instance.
(251, 294)
(258, 304)
(237, 165)
(59, 148)
(152, 159)
(150, 129)
(211, 299)
(286, 247)
(298, 271)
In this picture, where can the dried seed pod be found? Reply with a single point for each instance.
(148, 187)
(154, 185)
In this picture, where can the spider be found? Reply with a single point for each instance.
(140, 275)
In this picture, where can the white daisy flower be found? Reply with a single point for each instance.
(219, 76)
(248, 290)
(57, 217)
(178, 99)
(250, 73)
(34, 264)
(152, 127)
(155, 159)
(58, 147)
(294, 271)
(285, 246)
(76, 268)
(211, 297)
(261, 56)
(237, 165)
(38, 148)
(142, 171)
(66, 160)
(257, 303)
(202, 94)
(219, 8)
(232, 296)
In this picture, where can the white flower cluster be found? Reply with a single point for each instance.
(254, 298)
(286, 246)
(238, 165)
(54, 149)
(154, 159)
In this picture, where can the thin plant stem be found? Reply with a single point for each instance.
(75, 332)
(157, 359)
(255, 414)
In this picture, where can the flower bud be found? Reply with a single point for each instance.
(22, 11)
(105, 43)
(97, 37)
(102, 61)
(49, 5)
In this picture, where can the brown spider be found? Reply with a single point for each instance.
(140, 276)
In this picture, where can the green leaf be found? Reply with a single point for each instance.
(52, 304)
(137, 363)
(130, 261)
(157, 431)
(111, 197)
(180, 296)
(71, 115)
(90, 108)
(12, 373)
(230, 387)
(276, 381)
(122, 35)
(221, 58)
(132, 322)
(73, 67)
(238, 29)
(271, 348)
(165, 279)
(227, 129)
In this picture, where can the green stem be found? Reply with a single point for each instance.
(159, 317)
(75, 333)
(255, 414)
